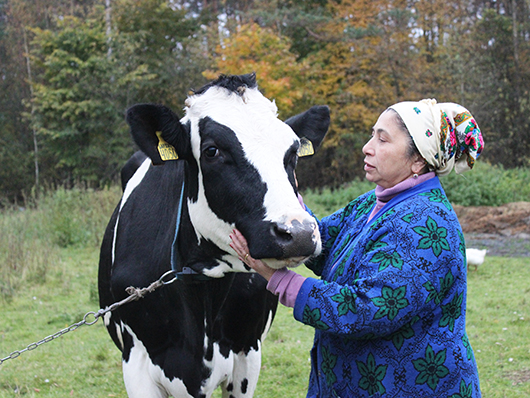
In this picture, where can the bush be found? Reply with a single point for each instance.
(485, 185)
(326, 201)
(78, 217)
(25, 253)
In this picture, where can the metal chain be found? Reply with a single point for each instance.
(134, 294)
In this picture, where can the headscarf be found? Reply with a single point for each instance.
(445, 134)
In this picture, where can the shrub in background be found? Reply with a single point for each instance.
(488, 185)
(485, 185)
(78, 217)
(323, 202)
(30, 239)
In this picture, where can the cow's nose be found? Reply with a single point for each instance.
(295, 239)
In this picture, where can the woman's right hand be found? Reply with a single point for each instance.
(239, 244)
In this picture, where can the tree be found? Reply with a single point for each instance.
(78, 105)
(502, 89)
(17, 146)
(256, 49)
(165, 40)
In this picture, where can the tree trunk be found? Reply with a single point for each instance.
(35, 142)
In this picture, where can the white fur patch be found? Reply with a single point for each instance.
(144, 379)
(228, 263)
(233, 370)
(267, 326)
(107, 319)
(135, 180)
(221, 369)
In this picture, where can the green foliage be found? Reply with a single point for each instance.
(296, 20)
(162, 39)
(25, 253)
(487, 185)
(77, 217)
(326, 201)
(500, 74)
(76, 110)
(358, 57)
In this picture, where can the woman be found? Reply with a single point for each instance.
(389, 309)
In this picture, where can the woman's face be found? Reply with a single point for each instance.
(386, 162)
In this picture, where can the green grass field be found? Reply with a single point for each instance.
(85, 363)
(48, 276)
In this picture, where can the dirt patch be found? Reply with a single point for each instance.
(518, 376)
(503, 230)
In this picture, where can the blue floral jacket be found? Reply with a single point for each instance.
(389, 310)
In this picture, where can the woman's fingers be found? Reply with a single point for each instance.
(240, 246)
(239, 243)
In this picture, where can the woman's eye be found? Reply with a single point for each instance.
(211, 152)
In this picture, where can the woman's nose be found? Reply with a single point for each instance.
(367, 148)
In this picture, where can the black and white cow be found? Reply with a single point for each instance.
(235, 169)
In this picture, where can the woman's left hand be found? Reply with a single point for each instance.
(239, 244)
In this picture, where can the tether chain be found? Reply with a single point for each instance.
(134, 294)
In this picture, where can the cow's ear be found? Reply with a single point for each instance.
(312, 125)
(158, 132)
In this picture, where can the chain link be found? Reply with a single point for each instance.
(134, 294)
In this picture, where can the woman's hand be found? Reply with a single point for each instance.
(239, 244)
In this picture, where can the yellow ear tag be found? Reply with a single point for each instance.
(306, 148)
(167, 151)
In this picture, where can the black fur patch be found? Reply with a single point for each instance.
(233, 84)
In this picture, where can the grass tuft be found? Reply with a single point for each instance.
(31, 238)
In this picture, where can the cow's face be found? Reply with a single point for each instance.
(241, 159)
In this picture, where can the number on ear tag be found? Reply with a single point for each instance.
(306, 148)
(167, 151)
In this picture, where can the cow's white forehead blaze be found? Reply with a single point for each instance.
(265, 140)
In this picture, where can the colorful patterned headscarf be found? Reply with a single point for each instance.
(446, 134)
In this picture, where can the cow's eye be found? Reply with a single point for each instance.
(211, 152)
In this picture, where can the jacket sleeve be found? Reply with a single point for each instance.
(404, 270)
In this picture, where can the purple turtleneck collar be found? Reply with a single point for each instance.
(383, 195)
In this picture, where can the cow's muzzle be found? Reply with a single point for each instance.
(287, 240)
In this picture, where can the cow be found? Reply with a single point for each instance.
(228, 163)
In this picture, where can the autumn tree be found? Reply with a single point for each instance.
(260, 50)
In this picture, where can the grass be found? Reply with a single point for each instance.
(82, 363)
(30, 238)
(85, 363)
(498, 321)
(48, 273)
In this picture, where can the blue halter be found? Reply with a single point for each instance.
(187, 274)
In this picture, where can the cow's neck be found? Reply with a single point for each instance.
(189, 257)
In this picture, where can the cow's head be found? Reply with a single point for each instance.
(241, 160)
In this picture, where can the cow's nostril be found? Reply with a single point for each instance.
(281, 231)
